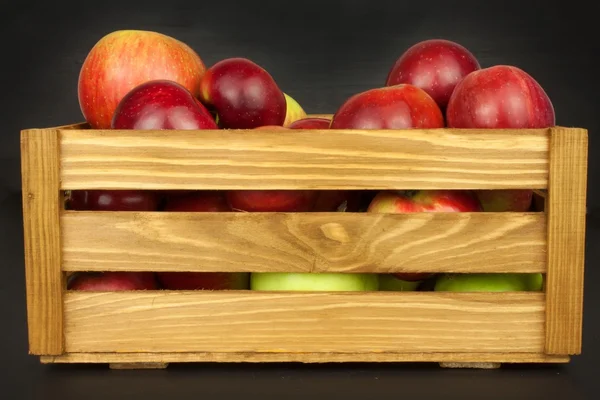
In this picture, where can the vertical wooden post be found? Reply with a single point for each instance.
(40, 165)
(566, 207)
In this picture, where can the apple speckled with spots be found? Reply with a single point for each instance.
(394, 107)
(243, 94)
(436, 66)
(124, 59)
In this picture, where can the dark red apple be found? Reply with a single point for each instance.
(204, 280)
(243, 94)
(394, 107)
(497, 97)
(337, 200)
(161, 104)
(112, 281)
(434, 65)
(272, 200)
(410, 201)
(113, 200)
(271, 128)
(310, 123)
(500, 97)
(213, 201)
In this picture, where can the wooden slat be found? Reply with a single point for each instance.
(230, 321)
(251, 357)
(308, 242)
(566, 207)
(41, 208)
(305, 159)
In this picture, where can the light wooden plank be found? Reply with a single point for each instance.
(304, 242)
(247, 321)
(305, 159)
(566, 207)
(254, 357)
(41, 208)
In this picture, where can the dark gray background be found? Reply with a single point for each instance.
(320, 52)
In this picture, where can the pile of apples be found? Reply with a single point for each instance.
(144, 80)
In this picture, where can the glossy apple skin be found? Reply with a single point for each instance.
(271, 128)
(402, 106)
(498, 97)
(112, 281)
(480, 282)
(114, 200)
(314, 282)
(390, 282)
(310, 123)
(272, 200)
(243, 94)
(161, 104)
(294, 110)
(434, 65)
(124, 59)
(211, 201)
(410, 201)
(512, 200)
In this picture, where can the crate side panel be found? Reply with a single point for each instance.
(304, 322)
(306, 159)
(304, 242)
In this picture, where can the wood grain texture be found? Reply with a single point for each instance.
(304, 242)
(324, 357)
(245, 321)
(304, 159)
(41, 208)
(566, 207)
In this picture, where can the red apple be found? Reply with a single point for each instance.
(310, 123)
(272, 200)
(499, 97)
(243, 94)
(124, 59)
(113, 200)
(161, 104)
(204, 280)
(213, 201)
(112, 281)
(514, 200)
(410, 201)
(337, 200)
(394, 107)
(434, 65)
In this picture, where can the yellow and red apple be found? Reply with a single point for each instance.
(124, 59)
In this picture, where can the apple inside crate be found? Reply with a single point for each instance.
(316, 284)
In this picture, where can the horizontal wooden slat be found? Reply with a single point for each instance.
(304, 242)
(251, 357)
(231, 321)
(305, 159)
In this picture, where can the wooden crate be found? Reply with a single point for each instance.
(152, 328)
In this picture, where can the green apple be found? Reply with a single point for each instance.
(335, 282)
(294, 110)
(488, 282)
(388, 282)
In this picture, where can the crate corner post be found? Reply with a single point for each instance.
(566, 208)
(41, 205)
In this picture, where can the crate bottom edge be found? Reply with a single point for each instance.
(297, 357)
